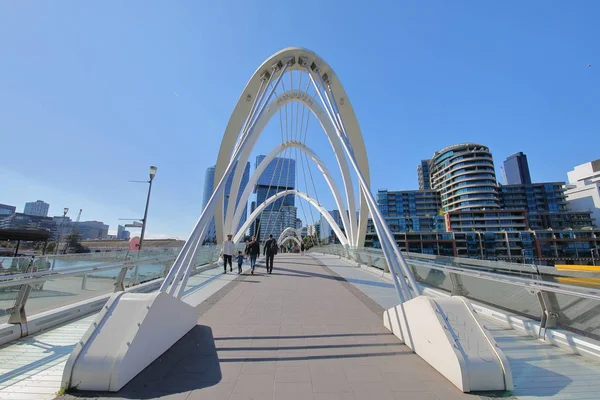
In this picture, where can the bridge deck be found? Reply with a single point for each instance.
(300, 333)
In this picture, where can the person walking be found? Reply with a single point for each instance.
(240, 261)
(270, 250)
(302, 248)
(227, 252)
(253, 250)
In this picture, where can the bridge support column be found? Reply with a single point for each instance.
(131, 331)
(446, 334)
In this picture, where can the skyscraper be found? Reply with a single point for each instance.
(423, 174)
(38, 208)
(583, 190)
(517, 170)
(465, 177)
(278, 176)
(209, 184)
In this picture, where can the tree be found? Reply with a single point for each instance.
(50, 247)
(74, 245)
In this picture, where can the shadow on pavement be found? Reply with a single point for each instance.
(190, 364)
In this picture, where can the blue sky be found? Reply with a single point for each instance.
(87, 90)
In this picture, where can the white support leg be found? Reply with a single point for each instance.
(446, 333)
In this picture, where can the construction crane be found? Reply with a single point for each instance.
(73, 229)
(504, 180)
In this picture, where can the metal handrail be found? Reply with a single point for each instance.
(42, 276)
(517, 281)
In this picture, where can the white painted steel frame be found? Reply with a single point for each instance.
(244, 108)
(235, 221)
(289, 231)
(348, 145)
(288, 238)
(341, 236)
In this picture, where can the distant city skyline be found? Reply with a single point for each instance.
(88, 108)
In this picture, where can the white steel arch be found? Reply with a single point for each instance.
(239, 139)
(136, 345)
(327, 126)
(288, 238)
(289, 231)
(237, 216)
(341, 236)
(290, 59)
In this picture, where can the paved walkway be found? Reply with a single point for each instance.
(300, 333)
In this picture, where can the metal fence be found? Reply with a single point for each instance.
(30, 285)
(529, 290)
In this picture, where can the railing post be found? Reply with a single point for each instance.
(119, 284)
(549, 312)
(458, 288)
(84, 283)
(17, 312)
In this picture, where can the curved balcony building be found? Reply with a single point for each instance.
(465, 177)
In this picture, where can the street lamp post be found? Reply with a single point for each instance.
(152, 174)
(62, 222)
(144, 220)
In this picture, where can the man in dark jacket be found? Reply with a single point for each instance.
(253, 250)
(270, 250)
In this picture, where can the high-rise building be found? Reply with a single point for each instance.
(546, 205)
(423, 174)
(6, 210)
(465, 177)
(278, 176)
(583, 190)
(517, 170)
(325, 231)
(209, 184)
(411, 210)
(122, 234)
(38, 208)
(28, 221)
(298, 223)
(92, 230)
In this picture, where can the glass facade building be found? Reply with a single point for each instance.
(517, 170)
(546, 205)
(411, 210)
(38, 208)
(423, 174)
(465, 177)
(209, 184)
(279, 175)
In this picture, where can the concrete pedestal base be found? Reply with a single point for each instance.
(132, 330)
(446, 333)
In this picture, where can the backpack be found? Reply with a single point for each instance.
(273, 246)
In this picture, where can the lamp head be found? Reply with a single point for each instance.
(153, 170)
(65, 211)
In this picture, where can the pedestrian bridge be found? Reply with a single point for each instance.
(341, 322)
(313, 329)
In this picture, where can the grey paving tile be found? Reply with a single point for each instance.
(331, 383)
(372, 390)
(292, 374)
(259, 396)
(334, 396)
(292, 391)
(254, 383)
(363, 374)
(267, 367)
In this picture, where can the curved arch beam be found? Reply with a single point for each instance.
(244, 107)
(327, 126)
(289, 231)
(237, 216)
(343, 239)
(288, 238)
